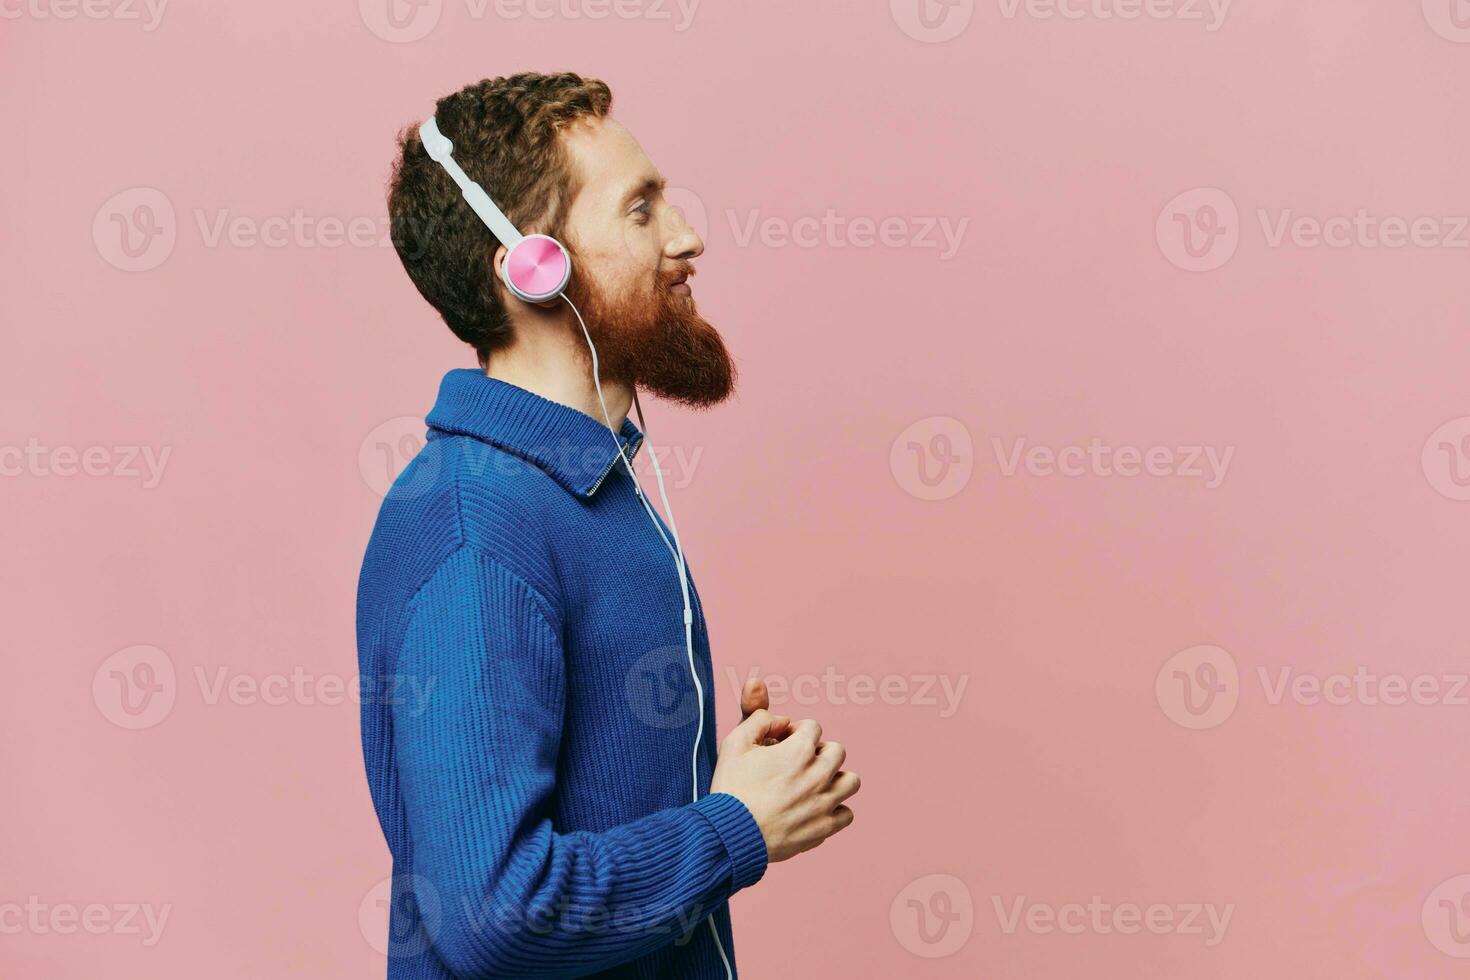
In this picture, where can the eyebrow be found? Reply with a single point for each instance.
(648, 186)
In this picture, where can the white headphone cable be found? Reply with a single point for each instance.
(677, 549)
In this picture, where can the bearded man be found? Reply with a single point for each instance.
(555, 803)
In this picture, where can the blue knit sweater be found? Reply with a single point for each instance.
(528, 716)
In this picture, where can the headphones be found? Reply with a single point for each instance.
(536, 267)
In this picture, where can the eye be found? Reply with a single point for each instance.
(642, 212)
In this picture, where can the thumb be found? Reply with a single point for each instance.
(753, 697)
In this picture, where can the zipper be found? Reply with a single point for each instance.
(612, 463)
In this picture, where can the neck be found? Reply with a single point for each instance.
(549, 357)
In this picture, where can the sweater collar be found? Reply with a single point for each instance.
(573, 448)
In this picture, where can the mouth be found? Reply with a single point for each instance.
(680, 286)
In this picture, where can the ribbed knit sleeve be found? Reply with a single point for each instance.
(500, 892)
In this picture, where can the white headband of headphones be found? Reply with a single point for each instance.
(441, 149)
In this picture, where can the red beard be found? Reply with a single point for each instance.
(656, 340)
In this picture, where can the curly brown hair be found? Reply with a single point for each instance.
(505, 133)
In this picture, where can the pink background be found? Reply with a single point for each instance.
(1335, 542)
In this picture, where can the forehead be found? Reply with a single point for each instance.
(607, 161)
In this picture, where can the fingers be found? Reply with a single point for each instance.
(753, 697)
(843, 786)
(760, 726)
(805, 735)
(830, 756)
(779, 729)
(841, 818)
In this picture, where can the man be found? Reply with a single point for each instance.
(540, 803)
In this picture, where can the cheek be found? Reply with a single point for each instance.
(641, 249)
(623, 263)
(619, 274)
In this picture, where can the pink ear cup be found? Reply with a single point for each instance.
(537, 268)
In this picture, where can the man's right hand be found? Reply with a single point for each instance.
(794, 788)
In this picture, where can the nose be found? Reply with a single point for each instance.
(681, 241)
